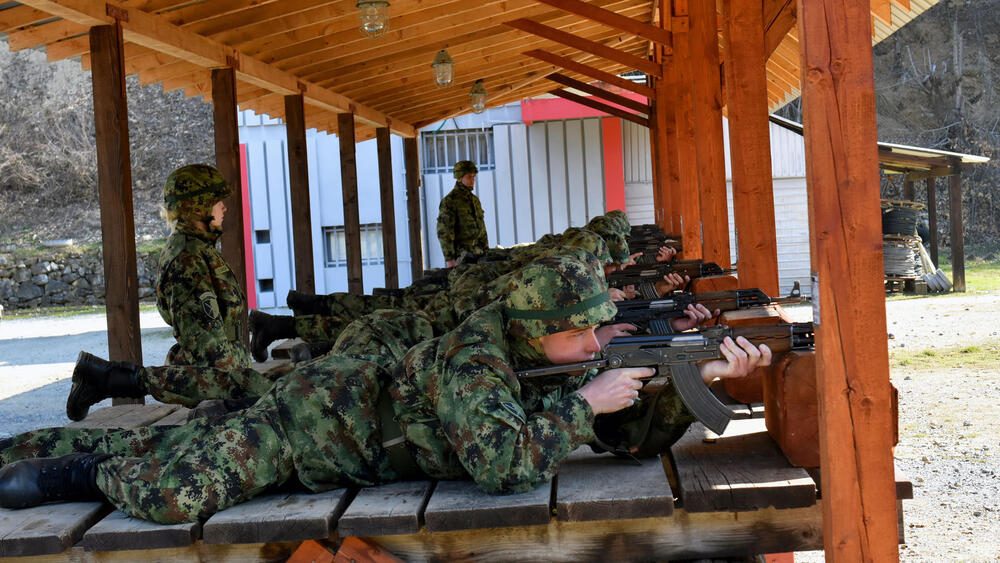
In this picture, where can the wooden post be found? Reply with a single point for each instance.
(227, 160)
(706, 85)
(349, 187)
(687, 160)
(855, 401)
(668, 141)
(957, 230)
(298, 180)
(412, 163)
(908, 190)
(663, 132)
(750, 145)
(655, 163)
(932, 225)
(388, 207)
(114, 178)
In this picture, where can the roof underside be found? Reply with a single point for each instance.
(280, 47)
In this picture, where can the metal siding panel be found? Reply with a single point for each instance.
(504, 188)
(488, 199)
(280, 205)
(556, 158)
(328, 169)
(639, 203)
(521, 183)
(257, 181)
(315, 214)
(576, 178)
(434, 185)
(539, 177)
(593, 160)
(399, 210)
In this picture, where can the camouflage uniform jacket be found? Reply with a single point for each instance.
(464, 414)
(198, 295)
(460, 225)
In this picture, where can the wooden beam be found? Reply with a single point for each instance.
(614, 19)
(114, 178)
(388, 207)
(888, 155)
(298, 187)
(750, 145)
(594, 73)
(706, 87)
(859, 504)
(227, 160)
(591, 103)
(687, 157)
(411, 160)
(957, 228)
(598, 92)
(669, 151)
(349, 188)
(935, 172)
(908, 189)
(779, 19)
(932, 224)
(585, 45)
(156, 33)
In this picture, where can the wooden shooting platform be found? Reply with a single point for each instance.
(712, 496)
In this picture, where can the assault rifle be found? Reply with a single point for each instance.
(676, 358)
(653, 315)
(645, 278)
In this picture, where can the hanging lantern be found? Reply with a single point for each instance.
(444, 68)
(374, 15)
(478, 96)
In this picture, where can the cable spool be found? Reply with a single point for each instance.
(900, 257)
(900, 217)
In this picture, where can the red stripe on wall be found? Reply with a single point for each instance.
(248, 231)
(614, 163)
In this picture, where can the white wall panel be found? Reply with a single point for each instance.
(593, 161)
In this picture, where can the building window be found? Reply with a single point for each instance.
(335, 245)
(442, 149)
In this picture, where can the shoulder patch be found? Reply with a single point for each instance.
(509, 407)
(209, 305)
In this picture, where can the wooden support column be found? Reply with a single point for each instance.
(750, 145)
(706, 83)
(227, 160)
(908, 191)
(114, 178)
(855, 403)
(687, 159)
(957, 230)
(932, 225)
(412, 163)
(654, 150)
(663, 128)
(388, 207)
(349, 187)
(298, 179)
(668, 93)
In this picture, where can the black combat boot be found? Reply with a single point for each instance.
(307, 303)
(69, 478)
(95, 379)
(265, 329)
(305, 351)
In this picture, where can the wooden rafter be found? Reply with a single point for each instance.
(608, 109)
(648, 32)
(599, 92)
(594, 73)
(585, 45)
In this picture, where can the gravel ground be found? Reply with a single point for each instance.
(948, 447)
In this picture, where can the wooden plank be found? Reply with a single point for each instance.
(844, 216)
(598, 92)
(349, 188)
(957, 237)
(932, 224)
(711, 158)
(118, 532)
(461, 505)
(277, 517)
(391, 261)
(124, 416)
(391, 509)
(740, 470)
(46, 529)
(750, 145)
(573, 66)
(778, 27)
(176, 418)
(114, 178)
(604, 487)
(585, 45)
(298, 180)
(613, 19)
(591, 103)
(411, 160)
(282, 349)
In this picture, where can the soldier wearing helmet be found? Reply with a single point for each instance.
(461, 227)
(197, 293)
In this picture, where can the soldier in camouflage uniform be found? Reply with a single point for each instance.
(461, 227)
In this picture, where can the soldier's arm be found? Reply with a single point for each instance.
(446, 230)
(194, 307)
(502, 447)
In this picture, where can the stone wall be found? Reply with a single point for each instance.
(74, 277)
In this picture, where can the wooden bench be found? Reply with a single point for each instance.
(713, 496)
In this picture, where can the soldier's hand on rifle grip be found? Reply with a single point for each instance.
(616, 294)
(615, 389)
(665, 254)
(694, 315)
(671, 282)
(607, 332)
(631, 259)
(741, 358)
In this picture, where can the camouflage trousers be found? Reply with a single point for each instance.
(189, 385)
(319, 422)
(328, 327)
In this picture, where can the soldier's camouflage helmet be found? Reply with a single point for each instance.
(556, 294)
(589, 241)
(619, 216)
(194, 189)
(463, 167)
(607, 228)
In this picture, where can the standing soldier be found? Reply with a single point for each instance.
(461, 227)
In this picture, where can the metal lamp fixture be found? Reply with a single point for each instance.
(444, 68)
(374, 15)
(478, 96)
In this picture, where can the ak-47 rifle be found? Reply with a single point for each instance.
(645, 278)
(676, 358)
